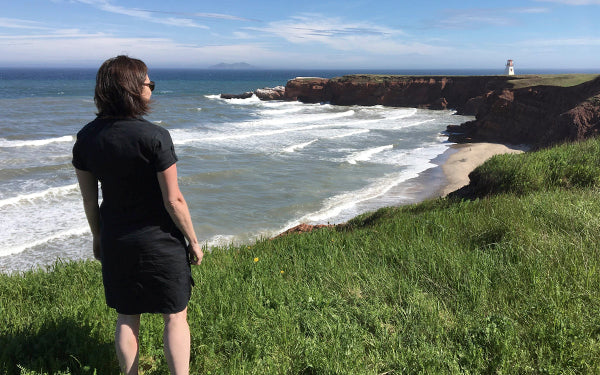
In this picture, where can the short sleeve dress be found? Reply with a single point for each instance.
(145, 265)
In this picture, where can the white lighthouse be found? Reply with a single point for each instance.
(510, 68)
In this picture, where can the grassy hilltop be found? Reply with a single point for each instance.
(508, 283)
(514, 82)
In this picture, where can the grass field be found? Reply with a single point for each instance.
(562, 80)
(515, 82)
(508, 283)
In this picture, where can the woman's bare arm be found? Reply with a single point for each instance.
(88, 184)
(178, 210)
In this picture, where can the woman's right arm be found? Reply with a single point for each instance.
(88, 184)
(178, 210)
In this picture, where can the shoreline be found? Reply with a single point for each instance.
(451, 174)
(465, 157)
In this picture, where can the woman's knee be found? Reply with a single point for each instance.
(129, 320)
(176, 317)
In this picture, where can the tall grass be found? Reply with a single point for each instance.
(565, 166)
(508, 284)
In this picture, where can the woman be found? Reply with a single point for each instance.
(140, 229)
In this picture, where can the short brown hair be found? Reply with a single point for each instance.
(119, 84)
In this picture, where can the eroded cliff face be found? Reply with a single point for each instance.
(435, 92)
(306, 89)
(538, 116)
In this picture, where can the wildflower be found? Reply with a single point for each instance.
(255, 259)
(282, 272)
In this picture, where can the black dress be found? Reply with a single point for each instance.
(145, 265)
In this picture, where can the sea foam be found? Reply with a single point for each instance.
(34, 142)
(366, 155)
(299, 146)
(10, 250)
(55, 192)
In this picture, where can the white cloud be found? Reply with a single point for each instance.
(202, 15)
(482, 17)
(315, 28)
(13, 23)
(565, 42)
(242, 35)
(106, 6)
(73, 48)
(343, 35)
(473, 18)
(530, 10)
(56, 34)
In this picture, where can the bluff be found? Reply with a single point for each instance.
(540, 115)
(534, 110)
(434, 92)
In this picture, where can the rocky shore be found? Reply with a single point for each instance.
(539, 111)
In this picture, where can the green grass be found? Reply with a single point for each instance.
(382, 78)
(515, 82)
(508, 284)
(566, 166)
(562, 80)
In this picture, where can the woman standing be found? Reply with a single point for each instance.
(140, 229)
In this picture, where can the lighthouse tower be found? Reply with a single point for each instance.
(510, 68)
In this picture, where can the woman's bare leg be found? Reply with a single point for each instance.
(176, 339)
(127, 343)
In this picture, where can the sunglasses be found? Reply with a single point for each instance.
(150, 85)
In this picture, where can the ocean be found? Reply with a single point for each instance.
(249, 169)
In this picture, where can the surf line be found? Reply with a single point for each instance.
(34, 142)
(366, 155)
(62, 234)
(61, 190)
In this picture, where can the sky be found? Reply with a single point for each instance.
(311, 34)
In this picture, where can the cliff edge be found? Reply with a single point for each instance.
(534, 110)
(432, 92)
(540, 116)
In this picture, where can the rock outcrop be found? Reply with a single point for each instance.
(537, 115)
(270, 93)
(245, 95)
(267, 93)
(306, 89)
(435, 92)
(304, 228)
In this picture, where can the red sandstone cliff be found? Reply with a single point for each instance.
(538, 115)
(306, 89)
(435, 92)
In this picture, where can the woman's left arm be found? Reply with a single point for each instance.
(177, 208)
(88, 184)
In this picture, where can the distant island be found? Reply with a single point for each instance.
(239, 65)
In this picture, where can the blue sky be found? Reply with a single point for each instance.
(355, 34)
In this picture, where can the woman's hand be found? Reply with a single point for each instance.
(97, 248)
(196, 253)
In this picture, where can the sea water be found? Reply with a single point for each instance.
(249, 169)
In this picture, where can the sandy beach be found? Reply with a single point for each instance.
(469, 156)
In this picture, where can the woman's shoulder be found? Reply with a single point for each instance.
(90, 127)
(124, 127)
(138, 122)
(148, 128)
